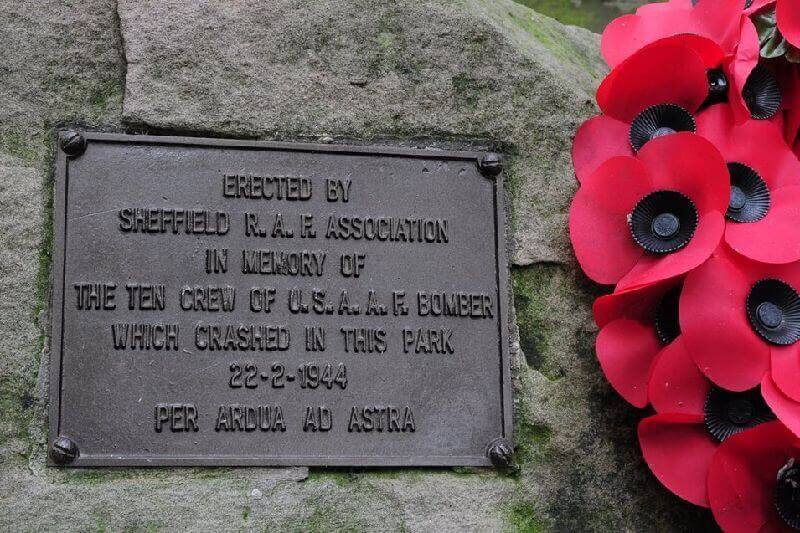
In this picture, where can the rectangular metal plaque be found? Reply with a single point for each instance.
(226, 302)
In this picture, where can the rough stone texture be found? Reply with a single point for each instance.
(424, 71)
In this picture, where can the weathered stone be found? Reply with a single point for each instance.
(421, 71)
(20, 239)
(430, 69)
(61, 62)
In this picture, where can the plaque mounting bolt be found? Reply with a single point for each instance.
(72, 143)
(491, 164)
(63, 451)
(500, 451)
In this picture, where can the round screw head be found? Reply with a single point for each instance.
(63, 451)
(491, 164)
(500, 452)
(72, 143)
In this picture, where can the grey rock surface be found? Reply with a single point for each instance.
(414, 71)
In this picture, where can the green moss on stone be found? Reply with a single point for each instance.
(590, 14)
(330, 518)
(339, 479)
(523, 519)
(533, 317)
(551, 35)
(106, 96)
(20, 146)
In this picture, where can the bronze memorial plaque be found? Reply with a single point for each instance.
(227, 302)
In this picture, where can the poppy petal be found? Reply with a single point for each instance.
(714, 324)
(748, 51)
(637, 304)
(788, 14)
(598, 223)
(598, 139)
(665, 72)
(786, 409)
(715, 124)
(786, 370)
(720, 21)
(774, 238)
(692, 165)
(652, 268)
(679, 449)
(676, 385)
(742, 477)
(628, 34)
(626, 350)
(758, 144)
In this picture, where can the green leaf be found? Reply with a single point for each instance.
(766, 25)
(772, 43)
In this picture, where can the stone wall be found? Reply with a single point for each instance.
(415, 72)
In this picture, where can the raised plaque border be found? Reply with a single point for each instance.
(497, 452)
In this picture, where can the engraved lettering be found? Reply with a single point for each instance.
(283, 263)
(422, 230)
(459, 304)
(139, 336)
(381, 418)
(261, 299)
(241, 337)
(146, 297)
(95, 296)
(236, 417)
(317, 418)
(216, 261)
(265, 187)
(177, 417)
(364, 340)
(208, 298)
(175, 221)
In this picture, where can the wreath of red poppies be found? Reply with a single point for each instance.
(689, 204)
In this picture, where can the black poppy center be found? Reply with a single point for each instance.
(762, 94)
(728, 413)
(666, 226)
(787, 494)
(666, 316)
(662, 132)
(750, 198)
(717, 86)
(773, 308)
(769, 315)
(658, 121)
(738, 199)
(663, 222)
(740, 411)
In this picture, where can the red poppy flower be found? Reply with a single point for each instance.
(786, 409)
(680, 441)
(719, 21)
(718, 30)
(639, 220)
(764, 210)
(740, 318)
(634, 326)
(754, 481)
(788, 15)
(652, 93)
